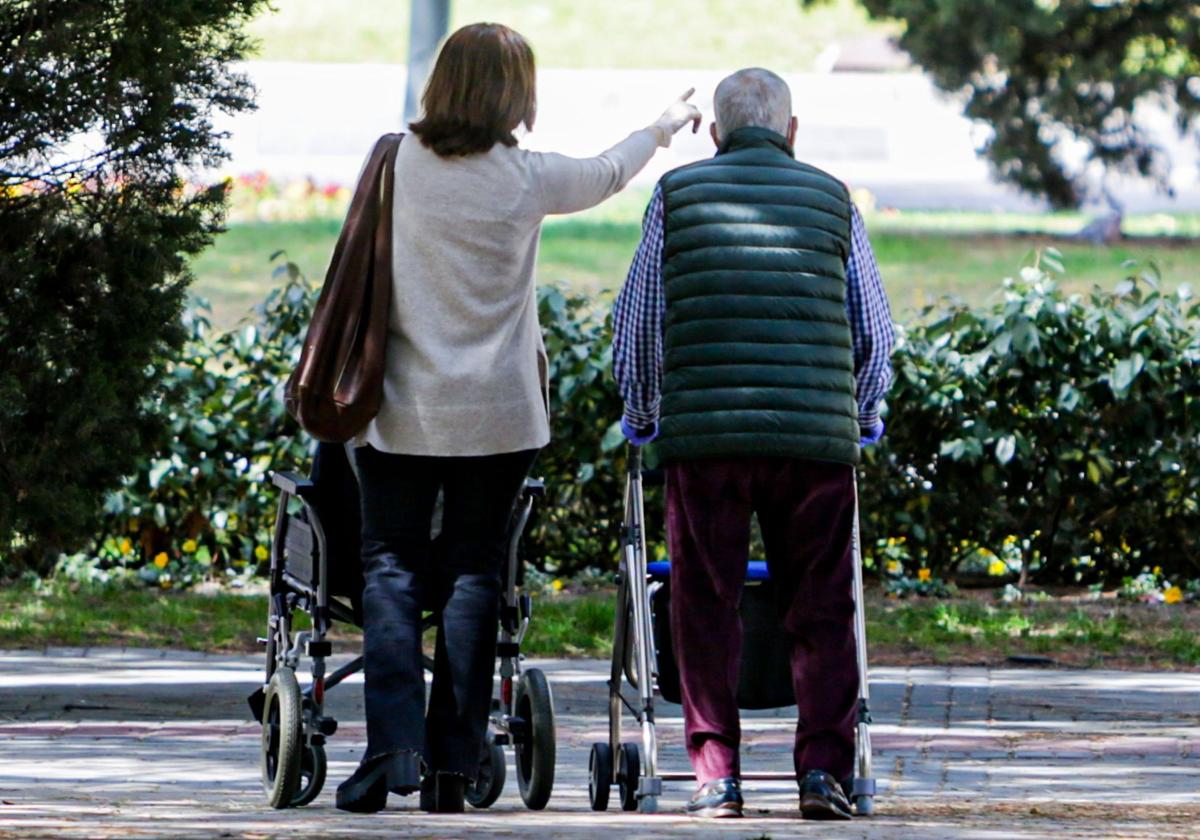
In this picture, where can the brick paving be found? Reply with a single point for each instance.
(133, 744)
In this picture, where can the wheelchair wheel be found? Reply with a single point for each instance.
(282, 739)
(489, 784)
(312, 775)
(599, 776)
(629, 771)
(535, 751)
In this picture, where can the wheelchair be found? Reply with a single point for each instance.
(315, 569)
(644, 661)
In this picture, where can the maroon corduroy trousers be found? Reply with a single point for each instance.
(805, 511)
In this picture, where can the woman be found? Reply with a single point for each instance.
(465, 401)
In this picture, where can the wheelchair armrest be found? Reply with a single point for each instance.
(290, 482)
(534, 488)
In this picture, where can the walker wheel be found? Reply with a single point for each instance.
(600, 775)
(312, 775)
(282, 739)
(629, 773)
(489, 783)
(535, 752)
(864, 806)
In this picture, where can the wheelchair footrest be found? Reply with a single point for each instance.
(256, 701)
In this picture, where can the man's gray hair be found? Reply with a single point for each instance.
(752, 97)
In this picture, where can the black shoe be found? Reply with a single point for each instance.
(717, 799)
(822, 797)
(365, 792)
(443, 793)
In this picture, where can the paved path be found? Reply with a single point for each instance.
(137, 744)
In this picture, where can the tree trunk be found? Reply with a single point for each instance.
(429, 24)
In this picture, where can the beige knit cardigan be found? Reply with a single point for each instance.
(466, 367)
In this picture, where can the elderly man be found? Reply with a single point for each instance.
(752, 340)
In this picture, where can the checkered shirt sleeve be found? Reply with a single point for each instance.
(871, 328)
(638, 324)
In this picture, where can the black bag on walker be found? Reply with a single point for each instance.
(765, 674)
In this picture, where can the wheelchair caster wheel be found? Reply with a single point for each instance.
(600, 775)
(490, 782)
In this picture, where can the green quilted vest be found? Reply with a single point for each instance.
(758, 358)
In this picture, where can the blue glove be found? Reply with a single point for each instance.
(871, 435)
(638, 437)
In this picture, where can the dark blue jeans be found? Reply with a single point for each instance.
(406, 572)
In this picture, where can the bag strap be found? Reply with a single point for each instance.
(367, 191)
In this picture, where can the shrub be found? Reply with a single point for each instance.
(1068, 419)
(201, 504)
(584, 465)
(94, 240)
(1051, 434)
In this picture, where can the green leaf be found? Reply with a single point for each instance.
(1122, 376)
(613, 438)
(158, 470)
(1006, 447)
(1068, 397)
(1053, 262)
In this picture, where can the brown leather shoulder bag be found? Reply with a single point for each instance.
(337, 387)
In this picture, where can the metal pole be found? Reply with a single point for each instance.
(864, 782)
(649, 785)
(429, 23)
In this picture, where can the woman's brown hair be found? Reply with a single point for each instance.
(482, 87)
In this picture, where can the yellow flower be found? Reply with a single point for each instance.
(997, 567)
(924, 575)
(160, 559)
(125, 545)
(261, 552)
(893, 567)
(189, 547)
(1010, 540)
(1158, 570)
(1173, 595)
(557, 585)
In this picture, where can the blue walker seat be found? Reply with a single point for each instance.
(755, 570)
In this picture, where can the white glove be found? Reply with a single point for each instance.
(679, 114)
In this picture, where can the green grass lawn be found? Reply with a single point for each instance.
(967, 629)
(693, 34)
(920, 259)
